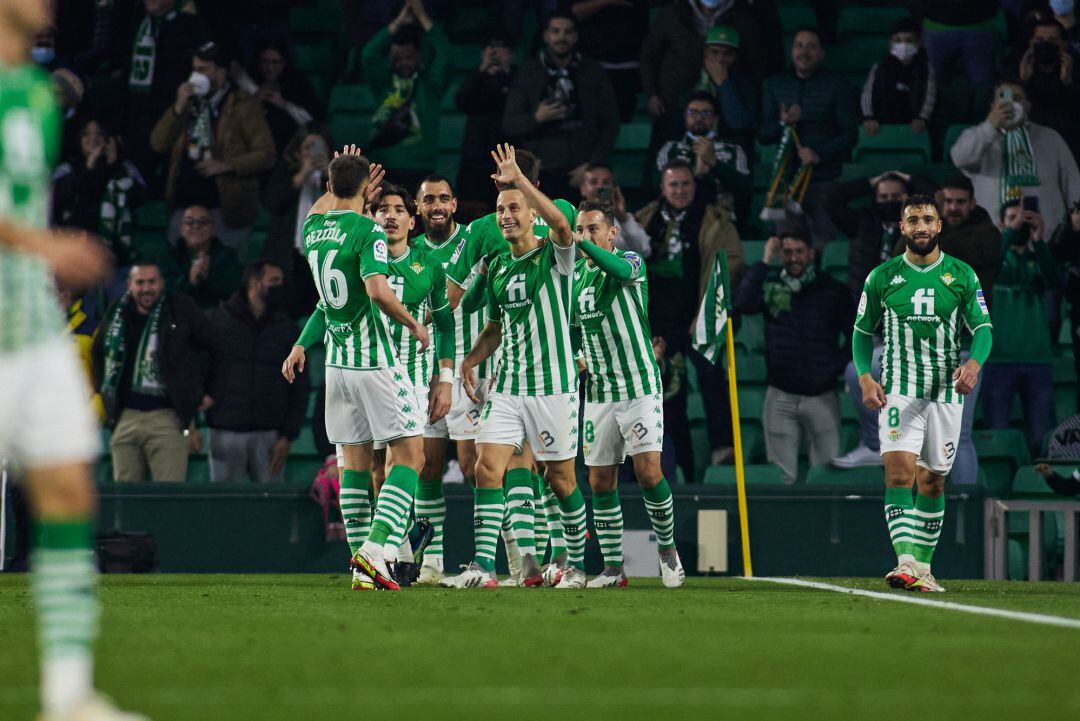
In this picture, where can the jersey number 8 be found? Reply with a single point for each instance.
(331, 281)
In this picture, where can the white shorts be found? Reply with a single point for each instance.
(462, 423)
(365, 406)
(45, 415)
(929, 429)
(616, 430)
(548, 423)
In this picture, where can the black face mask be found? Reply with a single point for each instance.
(1046, 53)
(274, 297)
(890, 211)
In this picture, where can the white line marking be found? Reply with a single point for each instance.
(1039, 618)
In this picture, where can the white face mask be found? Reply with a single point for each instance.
(200, 83)
(904, 51)
(1018, 114)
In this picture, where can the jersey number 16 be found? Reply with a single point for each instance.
(331, 282)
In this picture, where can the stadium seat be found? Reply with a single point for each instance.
(751, 332)
(305, 442)
(835, 255)
(751, 402)
(951, 136)
(451, 131)
(1064, 402)
(356, 127)
(753, 250)
(1001, 452)
(898, 142)
(309, 22)
(152, 214)
(855, 56)
(753, 441)
(792, 16)
(629, 169)
(317, 59)
(448, 100)
(764, 474)
(466, 58)
(695, 406)
(351, 98)
(863, 21)
(198, 469)
(633, 137)
(448, 164)
(302, 470)
(1064, 369)
(1029, 484)
(826, 475)
(749, 367)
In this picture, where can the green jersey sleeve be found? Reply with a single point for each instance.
(868, 315)
(494, 313)
(467, 252)
(374, 259)
(976, 314)
(437, 295)
(568, 211)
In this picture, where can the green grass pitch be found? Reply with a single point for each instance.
(300, 647)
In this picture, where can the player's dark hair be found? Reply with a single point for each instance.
(702, 97)
(1014, 203)
(918, 201)
(559, 15)
(348, 175)
(799, 234)
(436, 178)
(530, 165)
(959, 182)
(906, 25)
(809, 29)
(588, 206)
(399, 191)
(676, 164)
(254, 271)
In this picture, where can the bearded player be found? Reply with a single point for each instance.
(924, 299)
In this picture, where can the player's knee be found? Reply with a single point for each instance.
(67, 494)
(488, 474)
(647, 469)
(603, 479)
(560, 476)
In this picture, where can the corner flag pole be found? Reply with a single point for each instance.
(740, 475)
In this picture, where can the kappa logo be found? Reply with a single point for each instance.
(896, 280)
(403, 392)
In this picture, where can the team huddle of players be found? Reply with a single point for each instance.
(514, 314)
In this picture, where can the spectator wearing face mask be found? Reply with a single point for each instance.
(901, 88)
(255, 420)
(1064, 12)
(1046, 70)
(1008, 157)
(1065, 247)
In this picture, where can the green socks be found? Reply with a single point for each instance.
(355, 500)
(928, 516)
(395, 500)
(608, 522)
(64, 578)
(540, 520)
(900, 517)
(661, 511)
(431, 508)
(572, 512)
(554, 524)
(489, 506)
(520, 508)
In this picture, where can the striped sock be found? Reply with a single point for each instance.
(431, 508)
(395, 500)
(661, 511)
(540, 519)
(355, 501)
(554, 519)
(64, 580)
(520, 508)
(928, 517)
(489, 507)
(572, 511)
(608, 522)
(901, 521)
(397, 543)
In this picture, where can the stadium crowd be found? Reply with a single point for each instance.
(195, 141)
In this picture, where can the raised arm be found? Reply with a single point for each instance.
(510, 174)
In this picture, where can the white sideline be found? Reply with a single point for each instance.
(1039, 618)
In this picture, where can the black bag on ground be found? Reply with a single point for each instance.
(121, 552)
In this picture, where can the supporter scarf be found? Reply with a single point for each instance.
(1018, 168)
(200, 131)
(146, 377)
(115, 222)
(144, 53)
(797, 284)
(667, 257)
(561, 85)
(789, 181)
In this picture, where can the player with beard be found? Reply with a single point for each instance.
(923, 299)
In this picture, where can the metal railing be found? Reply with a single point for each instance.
(996, 536)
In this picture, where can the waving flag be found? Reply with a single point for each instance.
(708, 337)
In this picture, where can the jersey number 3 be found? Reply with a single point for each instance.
(331, 281)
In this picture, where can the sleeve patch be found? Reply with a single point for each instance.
(982, 301)
(379, 250)
(862, 303)
(635, 262)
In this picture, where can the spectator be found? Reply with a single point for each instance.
(969, 233)
(1064, 12)
(737, 100)
(407, 65)
(874, 227)
(202, 266)
(219, 143)
(562, 107)
(808, 319)
(298, 180)
(1008, 156)
(97, 189)
(955, 30)
(821, 107)
(1063, 486)
(69, 95)
(598, 184)
(160, 55)
(149, 370)
(720, 167)
(1065, 246)
(255, 420)
(1046, 70)
(611, 32)
(901, 88)
(1024, 357)
(288, 98)
(686, 231)
(482, 97)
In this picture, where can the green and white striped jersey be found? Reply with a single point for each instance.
(466, 325)
(29, 139)
(420, 284)
(924, 310)
(614, 318)
(343, 249)
(530, 297)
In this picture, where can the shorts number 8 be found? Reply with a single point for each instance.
(894, 417)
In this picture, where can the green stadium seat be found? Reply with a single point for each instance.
(753, 440)
(350, 128)
(305, 442)
(792, 16)
(753, 250)
(1029, 484)
(751, 402)
(761, 175)
(895, 141)
(951, 136)
(1064, 369)
(749, 367)
(309, 413)
(198, 469)
(152, 214)
(826, 475)
(855, 57)
(835, 255)
(317, 59)
(862, 21)
(474, 23)
(103, 472)
(695, 407)
(321, 19)
(448, 164)
(751, 332)
(1001, 452)
(352, 97)
(302, 469)
(629, 169)
(764, 474)
(851, 171)
(451, 132)
(1064, 401)
(633, 137)
(466, 57)
(448, 100)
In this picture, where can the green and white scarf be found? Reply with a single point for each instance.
(708, 336)
(1018, 166)
(144, 53)
(791, 177)
(146, 376)
(115, 223)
